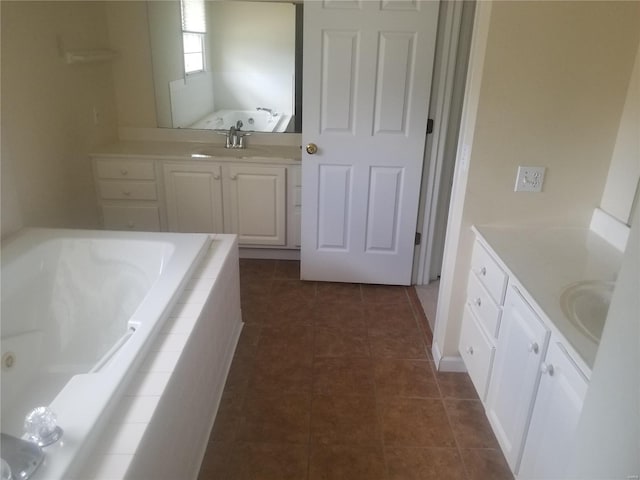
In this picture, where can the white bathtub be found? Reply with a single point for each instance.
(252, 120)
(79, 311)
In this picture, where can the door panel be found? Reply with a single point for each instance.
(382, 219)
(339, 60)
(395, 65)
(367, 69)
(334, 207)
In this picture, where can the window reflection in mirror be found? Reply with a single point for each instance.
(249, 66)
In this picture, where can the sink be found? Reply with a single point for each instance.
(586, 305)
(208, 152)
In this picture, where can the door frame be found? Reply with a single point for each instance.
(446, 95)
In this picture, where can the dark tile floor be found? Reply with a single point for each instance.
(335, 381)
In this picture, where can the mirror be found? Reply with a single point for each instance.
(250, 72)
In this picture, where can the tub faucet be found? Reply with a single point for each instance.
(22, 457)
(268, 110)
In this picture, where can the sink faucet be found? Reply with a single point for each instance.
(235, 137)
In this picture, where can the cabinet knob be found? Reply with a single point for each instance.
(234, 177)
(216, 177)
(483, 271)
(547, 368)
(126, 193)
(533, 347)
(470, 350)
(477, 302)
(124, 171)
(130, 224)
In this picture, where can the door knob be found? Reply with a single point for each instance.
(312, 148)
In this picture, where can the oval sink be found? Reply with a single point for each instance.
(586, 305)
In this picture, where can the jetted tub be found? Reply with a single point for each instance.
(252, 120)
(79, 310)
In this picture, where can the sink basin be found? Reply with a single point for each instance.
(208, 152)
(586, 305)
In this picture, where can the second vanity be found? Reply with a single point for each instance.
(536, 303)
(253, 192)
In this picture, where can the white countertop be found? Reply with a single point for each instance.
(545, 261)
(199, 151)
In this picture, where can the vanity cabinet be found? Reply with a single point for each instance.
(254, 196)
(156, 187)
(193, 193)
(555, 416)
(128, 194)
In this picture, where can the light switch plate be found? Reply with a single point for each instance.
(529, 179)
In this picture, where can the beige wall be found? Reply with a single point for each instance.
(47, 109)
(132, 71)
(624, 172)
(554, 83)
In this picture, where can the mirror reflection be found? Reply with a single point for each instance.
(218, 64)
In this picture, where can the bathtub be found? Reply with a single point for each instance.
(79, 311)
(252, 120)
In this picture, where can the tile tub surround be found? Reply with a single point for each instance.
(334, 381)
(160, 427)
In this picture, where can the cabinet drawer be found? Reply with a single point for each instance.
(130, 169)
(483, 306)
(142, 218)
(476, 351)
(114, 190)
(490, 274)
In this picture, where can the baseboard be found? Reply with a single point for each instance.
(448, 363)
(270, 253)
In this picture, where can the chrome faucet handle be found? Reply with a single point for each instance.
(41, 426)
(240, 136)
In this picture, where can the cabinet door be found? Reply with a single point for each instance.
(521, 344)
(555, 417)
(193, 197)
(255, 197)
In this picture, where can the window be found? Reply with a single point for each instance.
(194, 30)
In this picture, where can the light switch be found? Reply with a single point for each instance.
(529, 179)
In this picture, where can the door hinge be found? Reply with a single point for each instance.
(418, 238)
(429, 126)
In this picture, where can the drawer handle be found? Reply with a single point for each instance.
(483, 271)
(547, 369)
(470, 350)
(477, 302)
(126, 193)
(124, 171)
(533, 347)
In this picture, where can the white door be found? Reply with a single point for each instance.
(367, 77)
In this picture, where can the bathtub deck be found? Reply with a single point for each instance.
(161, 425)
